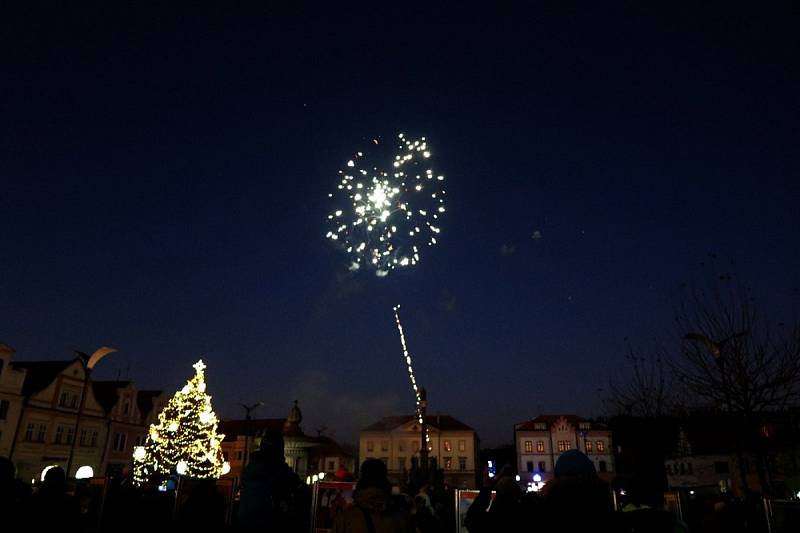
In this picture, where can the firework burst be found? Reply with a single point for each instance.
(385, 211)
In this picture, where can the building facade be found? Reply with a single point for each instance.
(49, 428)
(129, 414)
(305, 454)
(11, 381)
(395, 440)
(541, 441)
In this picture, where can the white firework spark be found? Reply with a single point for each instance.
(381, 217)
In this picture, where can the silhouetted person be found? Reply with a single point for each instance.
(504, 513)
(644, 509)
(13, 496)
(204, 509)
(273, 498)
(576, 498)
(372, 511)
(425, 518)
(52, 508)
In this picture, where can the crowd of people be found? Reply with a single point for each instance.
(273, 498)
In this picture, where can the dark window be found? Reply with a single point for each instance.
(225, 455)
(3, 408)
(42, 429)
(529, 466)
(2, 362)
(29, 432)
(239, 455)
(331, 466)
(689, 467)
(722, 467)
(462, 463)
(59, 434)
(603, 467)
(542, 466)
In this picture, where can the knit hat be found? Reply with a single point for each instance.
(574, 463)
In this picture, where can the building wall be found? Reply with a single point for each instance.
(126, 429)
(557, 438)
(47, 421)
(398, 446)
(11, 381)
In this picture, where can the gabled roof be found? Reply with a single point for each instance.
(440, 422)
(573, 420)
(144, 401)
(40, 374)
(107, 393)
(257, 426)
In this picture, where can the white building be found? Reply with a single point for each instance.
(541, 441)
(395, 440)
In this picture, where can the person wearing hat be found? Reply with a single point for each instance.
(576, 498)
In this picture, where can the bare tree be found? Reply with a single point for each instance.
(737, 360)
(643, 387)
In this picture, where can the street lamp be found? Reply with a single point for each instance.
(88, 364)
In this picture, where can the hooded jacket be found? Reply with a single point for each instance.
(373, 501)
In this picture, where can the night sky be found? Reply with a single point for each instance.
(164, 177)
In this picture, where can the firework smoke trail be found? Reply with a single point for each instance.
(380, 217)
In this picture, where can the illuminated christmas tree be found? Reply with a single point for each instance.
(185, 439)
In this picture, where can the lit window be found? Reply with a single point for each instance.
(540, 446)
(528, 446)
(384, 445)
(448, 447)
(564, 445)
(601, 446)
(589, 446)
(448, 463)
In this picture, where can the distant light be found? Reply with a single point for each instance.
(84, 472)
(490, 464)
(308, 480)
(622, 492)
(44, 472)
(517, 477)
(491, 474)
(226, 467)
(691, 492)
(321, 476)
(537, 478)
(181, 467)
(139, 453)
